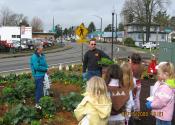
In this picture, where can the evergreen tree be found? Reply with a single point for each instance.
(91, 27)
(120, 27)
(108, 28)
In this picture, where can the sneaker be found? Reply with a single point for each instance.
(37, 106)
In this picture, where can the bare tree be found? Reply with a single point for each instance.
(9, 18)
(143, 11)
(5, 14)
(37, 24)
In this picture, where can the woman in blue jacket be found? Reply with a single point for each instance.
(39, 67)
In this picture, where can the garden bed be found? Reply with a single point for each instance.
(65, 85)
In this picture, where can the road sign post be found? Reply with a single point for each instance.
(81, 32)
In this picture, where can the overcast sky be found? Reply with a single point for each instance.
(69, 12)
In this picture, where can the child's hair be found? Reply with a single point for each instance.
(127, 75)
(167, 68)
(96, 87)
(136, 58)
(114, 72)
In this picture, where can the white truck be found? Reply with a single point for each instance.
(149, 45)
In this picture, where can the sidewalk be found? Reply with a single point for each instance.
(53, 50)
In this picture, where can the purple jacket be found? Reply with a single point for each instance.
(163, 102)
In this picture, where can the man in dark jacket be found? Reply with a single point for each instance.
(90, 62)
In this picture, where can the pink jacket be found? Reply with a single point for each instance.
(163, 102)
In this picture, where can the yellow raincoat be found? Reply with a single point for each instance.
(90, 112)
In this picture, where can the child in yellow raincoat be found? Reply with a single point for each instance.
(95, 108)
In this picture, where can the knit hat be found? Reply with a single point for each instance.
(160, 64)
(38, 45)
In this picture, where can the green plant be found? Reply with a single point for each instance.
(48, 106)
(1, 121)
(70, 101)
(57, 76)
(19, 114)
(35, 122)
(8, 95)
(25, 88)
(11, 78)
(105, 62)
(24, 76)
(129, 42)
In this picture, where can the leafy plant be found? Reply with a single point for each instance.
(48, 106)
(57, 76)
(25, 88)
(1, 121)
(24, 76)
(35, 122)
(19, 114)
(129, 42)
(8, 95)
(70, 101)
(11, 78)
(105, 62)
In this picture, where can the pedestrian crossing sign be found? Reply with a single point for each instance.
(81, 32)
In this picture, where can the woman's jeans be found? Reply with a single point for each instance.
(160, 122)
(90, 74)
(38, 88)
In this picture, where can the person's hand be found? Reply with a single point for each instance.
(47, 72)
(148, 105)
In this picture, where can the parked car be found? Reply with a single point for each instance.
(6, 45)
(149, 45)
(19, 46)
(29, 42)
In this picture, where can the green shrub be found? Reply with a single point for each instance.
(25, 88)
(35, 123)
(19, 114)
(11, 78)
(129, 42)
(57, 76)
(48, 106)
(70, 101)
(8, 95)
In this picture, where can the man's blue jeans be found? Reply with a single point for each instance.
(90, 74)
(38, 88)
(160, 122)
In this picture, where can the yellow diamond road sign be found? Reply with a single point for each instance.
(81, 31)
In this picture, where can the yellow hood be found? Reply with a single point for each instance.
(98, 113)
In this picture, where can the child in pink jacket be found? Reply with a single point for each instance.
(162, 104)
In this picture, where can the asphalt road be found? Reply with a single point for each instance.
(70, 56)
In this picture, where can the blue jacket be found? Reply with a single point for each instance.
(38, 65)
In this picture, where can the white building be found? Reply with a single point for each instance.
(10, 33)
(138, 33)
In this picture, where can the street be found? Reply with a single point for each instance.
(70, 56)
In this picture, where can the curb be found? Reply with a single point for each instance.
(28, 54)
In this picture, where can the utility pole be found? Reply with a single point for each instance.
(112, 35)
(116, 28)
(101, 23)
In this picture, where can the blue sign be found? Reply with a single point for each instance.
(168, 30)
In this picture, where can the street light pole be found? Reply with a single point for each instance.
(61, 35)
(101, 23)
(116, 28)
(112, 35)
(20, 33)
